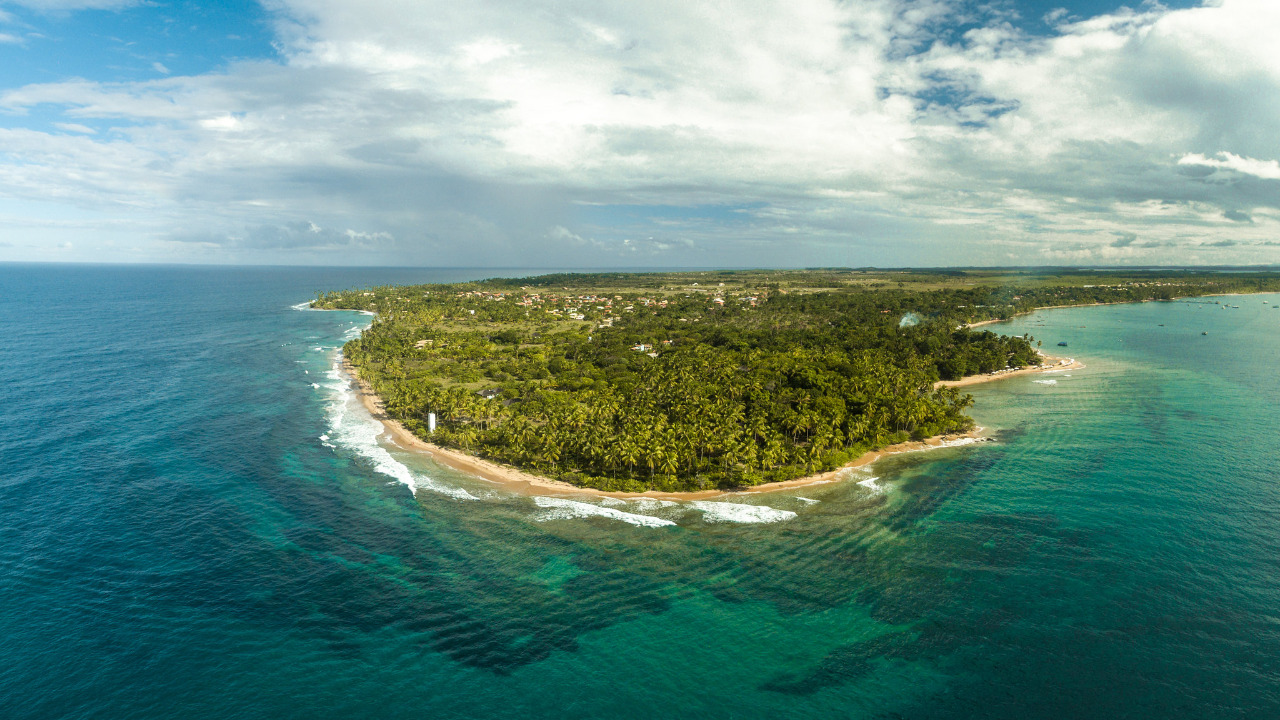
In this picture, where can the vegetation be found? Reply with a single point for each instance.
(679, 381)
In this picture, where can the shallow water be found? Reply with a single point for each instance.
(197, 520)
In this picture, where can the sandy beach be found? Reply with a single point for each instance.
(524, 483)
(1051, 364)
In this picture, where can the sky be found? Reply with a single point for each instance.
(664, 133)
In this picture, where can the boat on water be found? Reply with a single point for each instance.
(1062, 344)
(1206, 332)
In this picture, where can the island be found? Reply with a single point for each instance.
(710, 380)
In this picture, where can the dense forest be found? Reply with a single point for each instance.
(679, 381)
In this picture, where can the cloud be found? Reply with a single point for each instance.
(1055, 16)
(301, 235)
(75, 128)
(879, 132)
(1266, 169)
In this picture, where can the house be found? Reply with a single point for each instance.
(488, 394)
(641, 347)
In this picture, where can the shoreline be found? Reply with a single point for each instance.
(524, 483)
(518, 481)
(1057, 365)
(980, 323)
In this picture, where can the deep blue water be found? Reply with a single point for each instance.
(197, 521)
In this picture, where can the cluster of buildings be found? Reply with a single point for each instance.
(603, 309)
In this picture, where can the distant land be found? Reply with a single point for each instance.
(700, 380)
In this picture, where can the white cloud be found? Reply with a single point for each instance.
(841, 132)
(75, 128)
(1267, 169)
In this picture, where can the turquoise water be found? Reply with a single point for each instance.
(197, 521)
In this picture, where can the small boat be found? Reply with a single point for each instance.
(1206, 332)
(1062, 344)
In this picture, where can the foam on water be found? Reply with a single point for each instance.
(564, 509)
(352, 428)
(653, 504)
(1045, 382)
(739, 513)
(305, 305)
(807, 501)
(870, 484)
(959, 442)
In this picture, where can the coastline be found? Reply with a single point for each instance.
(980, 323)
(1051, 364)
(524, 483)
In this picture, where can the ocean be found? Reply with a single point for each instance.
(197, 520)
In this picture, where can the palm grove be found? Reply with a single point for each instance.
(679, 381)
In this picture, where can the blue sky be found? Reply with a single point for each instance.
(766, 133)
(131, 43)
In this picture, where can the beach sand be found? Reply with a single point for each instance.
(524, 483)
(1051, 364)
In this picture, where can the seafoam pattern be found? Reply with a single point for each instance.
(354, 430)
(958, 442)
(565, 509)
(718, 512)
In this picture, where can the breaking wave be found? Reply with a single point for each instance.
(739, 513)
(653, 503)
(353, 429)
(564, 509)
(958, 442)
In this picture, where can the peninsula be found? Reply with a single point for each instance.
(698, 381)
